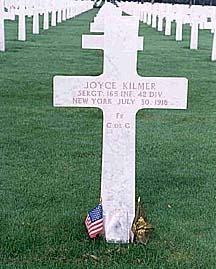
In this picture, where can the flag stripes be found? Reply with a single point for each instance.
(94, 221)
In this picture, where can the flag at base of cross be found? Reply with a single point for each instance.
(120, 93)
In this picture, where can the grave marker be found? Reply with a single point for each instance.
(21, 11)
(145, 14)
(53, 20)
(63, 14)
(149, 15)
(194, 34)
(168, 25)
(154, 20)
(59, 14)
(160, 21)
(179, 27)
(3, 16)
(46, 9)
(36, 19)
(212, 26)
(213, 57)
(120, 93)
(169, 18)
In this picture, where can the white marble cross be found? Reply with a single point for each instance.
(213, 57)
(149, 15)
(59, 12)
(169, 18)
(64, 17)
(46, 8)
(36, 18)
(22, 13)
(120, 93)
(168, 25)
(160, 21)
(53, 9)
(212, 26)
(179, 25)
(154, 19)
(194, 33)
(3, 16)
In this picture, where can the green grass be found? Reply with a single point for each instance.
(51, 157)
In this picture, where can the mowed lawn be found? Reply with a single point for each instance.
(50, 158)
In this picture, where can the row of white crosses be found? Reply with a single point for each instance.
(198, 17)
(59, 10)
(120, 93)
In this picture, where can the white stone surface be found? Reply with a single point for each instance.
(22, 22)
(36, 23)
(149, 17)
(211, 25)
(64, 14)
(213, 57)
(3, 16)
(179, 25)
(46, 20)
(194, 34)
(160, 23)
(168, 26)
(106, 10)
(154, 20)
(59, 16)
(53, 20)
(120, 93)
(145, 16)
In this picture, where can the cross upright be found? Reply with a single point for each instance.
(212, 26)
(21, 11)
(213, 57)
(119, 92)
(194, 32)
(36, 18)
(3, 16)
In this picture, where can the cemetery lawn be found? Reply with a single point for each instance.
(51, 157)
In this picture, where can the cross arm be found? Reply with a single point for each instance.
(78, 91)
(92, 41)
(161, 93)
(97, 42)
(9, 16)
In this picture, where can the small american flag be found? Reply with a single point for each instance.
(94, 221)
